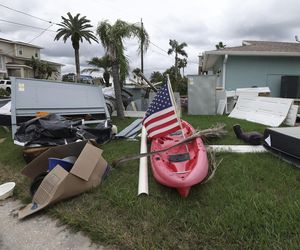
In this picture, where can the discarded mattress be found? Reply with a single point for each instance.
(269, 111)
(284, 142)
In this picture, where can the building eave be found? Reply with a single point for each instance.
(211, 57)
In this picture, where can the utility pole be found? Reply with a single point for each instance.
(142, 46)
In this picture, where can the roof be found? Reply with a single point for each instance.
(20, 43)
(253, 48)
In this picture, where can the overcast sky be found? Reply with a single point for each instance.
(200, 24)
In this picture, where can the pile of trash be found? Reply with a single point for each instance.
(53, 130)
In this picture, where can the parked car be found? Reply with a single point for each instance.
(6, 84)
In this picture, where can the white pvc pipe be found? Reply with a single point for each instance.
(143, 170)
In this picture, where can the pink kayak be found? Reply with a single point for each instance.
(182, 166)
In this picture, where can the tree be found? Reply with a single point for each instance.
(156, 76)
(99, 63)
(112, 38)
(76, 28)
(220, 45)
(177, 49)
(41, 69)
(182, 64)
(136, 71)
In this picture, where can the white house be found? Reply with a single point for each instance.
(13, 58)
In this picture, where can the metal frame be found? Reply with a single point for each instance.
(30, 96)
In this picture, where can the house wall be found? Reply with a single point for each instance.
(244, 72)
(7, 48)
(27, 52)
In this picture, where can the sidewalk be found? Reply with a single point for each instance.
(37, 232)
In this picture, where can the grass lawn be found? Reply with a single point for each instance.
(251, 203)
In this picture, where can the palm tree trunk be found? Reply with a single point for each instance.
(176, 73)
(118, 91)
(77, 64)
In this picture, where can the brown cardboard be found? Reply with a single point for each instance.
(60, 184)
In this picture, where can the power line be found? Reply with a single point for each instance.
(159, 47)
(25, 25)
(47, 29)
(24, 13)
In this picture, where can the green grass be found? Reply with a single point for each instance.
(251, 203)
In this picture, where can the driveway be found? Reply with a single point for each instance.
(37, 232)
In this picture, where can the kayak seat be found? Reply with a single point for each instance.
(179, 157)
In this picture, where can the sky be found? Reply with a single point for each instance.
(200, 24)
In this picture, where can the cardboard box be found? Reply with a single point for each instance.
(59, 184)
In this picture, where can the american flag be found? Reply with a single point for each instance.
(161, 118)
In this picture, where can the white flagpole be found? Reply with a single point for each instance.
(174, 103)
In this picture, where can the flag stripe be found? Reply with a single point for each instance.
(162, 125)
(158, 115)
(160, 120)
(164, 131)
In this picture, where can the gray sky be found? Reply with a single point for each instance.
(201, 24)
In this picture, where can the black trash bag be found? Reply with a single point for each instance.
(253, 138)
(102, 133)
(50, 130)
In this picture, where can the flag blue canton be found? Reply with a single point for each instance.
(161, 101)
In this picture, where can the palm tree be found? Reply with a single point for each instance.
(41, 69)
(156, 76)
(100, 63)
(182, 64)
(112, 38)
(178, 50)
(220, 45)
(76, 28)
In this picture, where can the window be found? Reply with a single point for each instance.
(36, 53)
(20, 50)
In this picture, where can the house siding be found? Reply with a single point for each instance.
(260, 71)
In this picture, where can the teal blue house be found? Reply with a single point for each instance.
(255, 63)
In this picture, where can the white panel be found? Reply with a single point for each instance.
(292, 116)
(265, 110)
(237, 148)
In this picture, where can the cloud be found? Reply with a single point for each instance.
(201, 24)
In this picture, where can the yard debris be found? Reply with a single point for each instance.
(2, 140)
(269, 111)
(6, 190)
(284, 143)
(253, 138)
(206, 134)
(237, 148)
(131, 131)
(58, 184)
(53, 130)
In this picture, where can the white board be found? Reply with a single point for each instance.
(237, 148)
(292, 116)
(269, 111)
